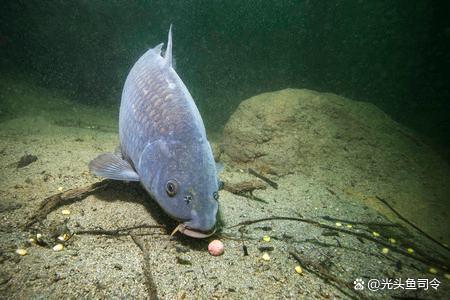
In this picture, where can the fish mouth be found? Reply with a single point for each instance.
(192, 232)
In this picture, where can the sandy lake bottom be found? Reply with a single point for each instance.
(119, 245)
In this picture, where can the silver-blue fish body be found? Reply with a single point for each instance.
(163, 139)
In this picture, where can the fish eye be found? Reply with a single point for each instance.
(171, 187)
(216, 196)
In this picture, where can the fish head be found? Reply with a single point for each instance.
(186, 188)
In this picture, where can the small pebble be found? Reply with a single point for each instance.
(21, 251)
(183, 261)
(299, 270)
(375, 234)
(432, 270)
(32, 241)
(266, 238)
(266, 257)
(410, 250)
(60, 188)
(349, 225)
(338, 224)
(216, 248)
(58, 247)
(393, 241)
(266, 248)
(38, 236)
(65, 212)
(64, 237)
(181, 249)
(385, 250)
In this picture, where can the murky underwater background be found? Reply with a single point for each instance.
(338, 182)
(393, 54)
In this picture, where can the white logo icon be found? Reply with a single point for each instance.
(359, 284)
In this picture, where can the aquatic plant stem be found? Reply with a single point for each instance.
(319, 271)
(264, 178)
(411, 224)
(423, 259)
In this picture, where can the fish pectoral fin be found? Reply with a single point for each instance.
(219, 167)
(118, 151)
(112, 166)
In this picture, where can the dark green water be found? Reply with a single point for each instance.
(394, 54)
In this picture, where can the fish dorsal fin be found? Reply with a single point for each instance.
(157, 48)
(168, 55)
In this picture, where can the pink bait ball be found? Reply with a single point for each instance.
(215, 248)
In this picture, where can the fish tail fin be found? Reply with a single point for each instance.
(168, 55)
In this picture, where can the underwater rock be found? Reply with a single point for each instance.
(26, 160)
(349, 145)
